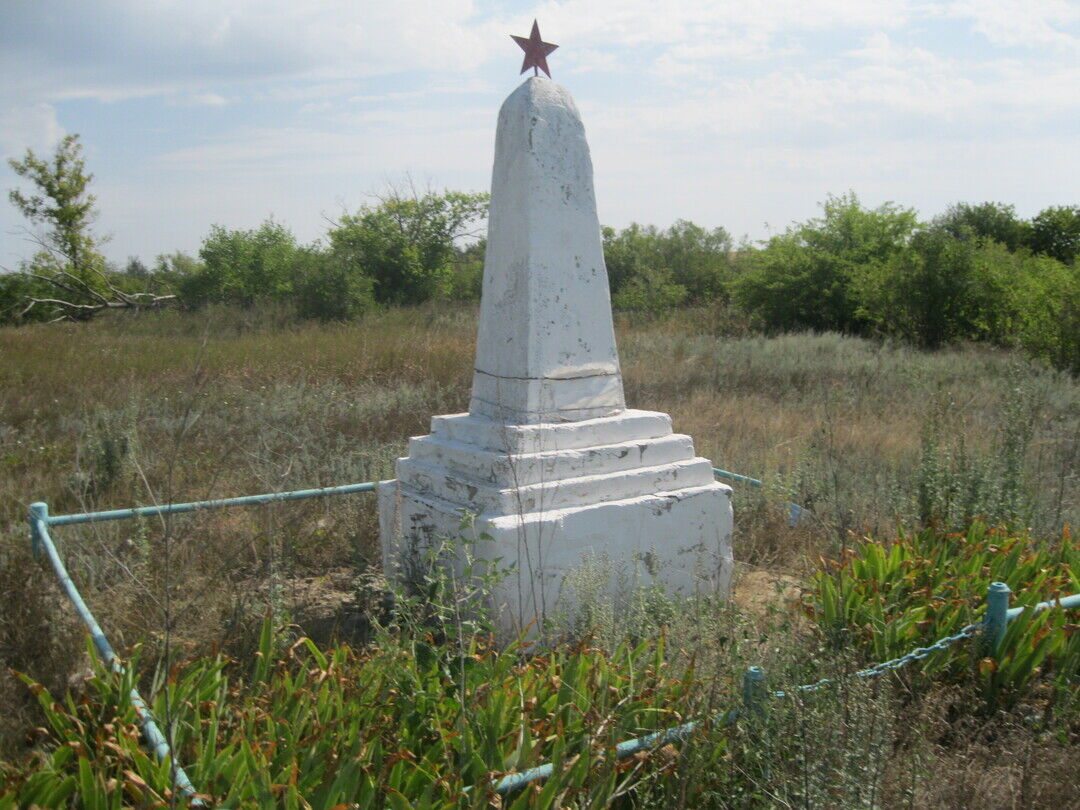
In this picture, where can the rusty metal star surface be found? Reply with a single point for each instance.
(536, 51)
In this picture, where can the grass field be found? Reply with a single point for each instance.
(171, 407)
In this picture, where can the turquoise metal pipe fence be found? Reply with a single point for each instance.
(195, 506)
(41, 540)
(155, 740)
(991, 628)
(795, 512)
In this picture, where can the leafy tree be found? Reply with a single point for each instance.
(64, 207)
(652, 269)
(406, 244)
(697, 258)
(326, 288)
(1046, 303)
(988, 220)
(1055, 231)
(243, 266)
(74, 281)
(924, 293)
(467, 280)
(807, 278)
(67, 262)
(136, 269)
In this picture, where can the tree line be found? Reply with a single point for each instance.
(977, 272)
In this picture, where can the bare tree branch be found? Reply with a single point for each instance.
(74, 311)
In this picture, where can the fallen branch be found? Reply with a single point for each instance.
(71, 310)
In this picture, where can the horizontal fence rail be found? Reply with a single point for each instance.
(1065, 602)
(753, 683)
(196, 506)
(992, 628)
(741, 479)
(795, 512)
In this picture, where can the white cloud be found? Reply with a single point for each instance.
(676, 39)
(1023, 23)
(646, 22)
(389, 140)
(116, 49)
(32, 126)
(208, 100)
(879, 48)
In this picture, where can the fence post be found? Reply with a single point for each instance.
(753, 691)
(38, 511)
(997, 619)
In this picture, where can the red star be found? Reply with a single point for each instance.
(536, 51)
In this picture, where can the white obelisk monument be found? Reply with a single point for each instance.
(550, 461)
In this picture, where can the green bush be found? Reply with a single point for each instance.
(650, 269)
(406, 243)
(1047, 305)
(986, 221)
(806, 278)
(327, 288)
(467, 278)
(941, 289)
(15, 291)
(1055, 231)
(242, 267)
(649, 291)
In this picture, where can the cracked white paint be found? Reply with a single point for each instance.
(548, 459)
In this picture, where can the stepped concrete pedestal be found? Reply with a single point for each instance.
(549, 461)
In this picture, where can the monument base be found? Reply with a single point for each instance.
(554, 497)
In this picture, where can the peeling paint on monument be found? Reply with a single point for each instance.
(549, 459)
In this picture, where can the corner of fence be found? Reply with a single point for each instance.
(795, 512)
(39, 512)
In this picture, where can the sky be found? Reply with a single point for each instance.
(744, 114)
